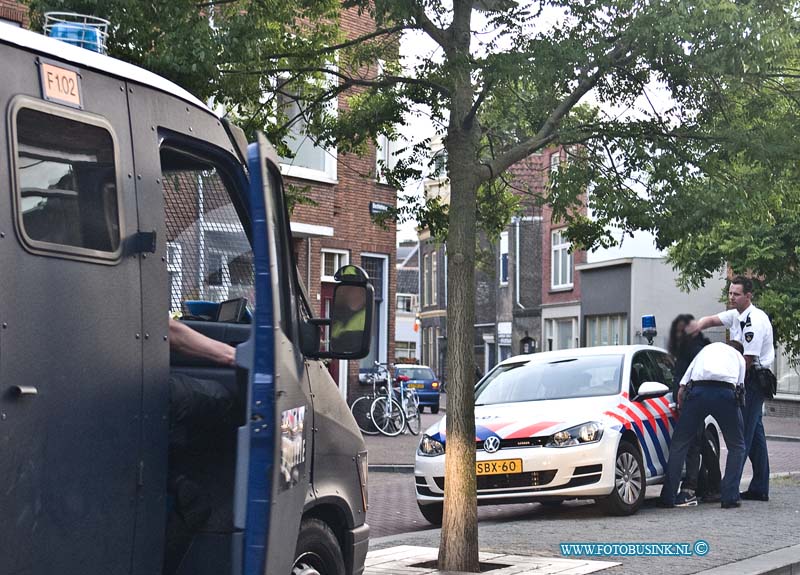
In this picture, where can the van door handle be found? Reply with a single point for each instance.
(20, 390)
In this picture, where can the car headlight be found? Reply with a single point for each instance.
(430, 447)
(590, 432)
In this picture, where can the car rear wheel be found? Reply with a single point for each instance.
(434, 409)
(629, 482)
(432, 512)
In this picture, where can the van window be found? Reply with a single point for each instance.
(67, 190)
(210, 254)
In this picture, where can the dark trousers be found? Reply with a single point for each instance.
(755, 441)
(699, 402)
(693, 459)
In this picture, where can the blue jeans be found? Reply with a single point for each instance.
(755, 441)
(701, 401)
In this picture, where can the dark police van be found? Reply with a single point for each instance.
(124, 199)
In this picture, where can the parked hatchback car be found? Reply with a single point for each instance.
(421, 379)
(590, 423)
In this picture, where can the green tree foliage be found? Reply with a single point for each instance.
(678, 117)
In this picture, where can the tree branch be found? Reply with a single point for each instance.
(478, 101)
(547, 132)
(426, 25)
(348, 43)
(386, 81)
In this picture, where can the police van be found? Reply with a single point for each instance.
(124, 200)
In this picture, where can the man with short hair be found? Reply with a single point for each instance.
(710, 386)
(751, 327)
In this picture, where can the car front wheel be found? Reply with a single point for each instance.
(629, 482)
(318, 551)
(432, 512)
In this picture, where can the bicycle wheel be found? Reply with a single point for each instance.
(388, 416)
(361, 410)
(413, 416)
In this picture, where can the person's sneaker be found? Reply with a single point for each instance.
(750, 496)
(730, 504)
(685, 499)
(711, 498)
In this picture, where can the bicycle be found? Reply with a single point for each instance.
(387, 413)
(361, 409)
(409, 401)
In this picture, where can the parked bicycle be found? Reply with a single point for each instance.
(361, 408)
(409, 400)
(388, 414)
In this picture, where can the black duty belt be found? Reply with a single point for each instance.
(713, 383)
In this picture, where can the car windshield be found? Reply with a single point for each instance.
(416, 372)
(564, 378)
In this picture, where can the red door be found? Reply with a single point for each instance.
(325, 311)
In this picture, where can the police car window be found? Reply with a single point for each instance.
(664, 366)
(642, 369)
(67, 190)
(566, 378)
(210, 258)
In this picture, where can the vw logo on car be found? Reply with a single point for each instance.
(491, 444)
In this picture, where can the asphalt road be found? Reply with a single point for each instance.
(393, 508)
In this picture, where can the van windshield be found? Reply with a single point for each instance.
(565, 378)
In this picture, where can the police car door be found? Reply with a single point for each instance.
(281, 418)
(70, 310)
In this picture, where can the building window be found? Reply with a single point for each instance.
(405, 351)
(555, 160)
(560, 261)
(405, 302)
(431, 348)
(426, 279)
(434, 278)
(385, 157)
(503, 258)
(607, 330)
(561, 333)
(439, 165)
(309, 161)
(332, 260)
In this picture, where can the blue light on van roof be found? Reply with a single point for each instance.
(80, 30)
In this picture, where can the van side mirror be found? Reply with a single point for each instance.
(650, 390)
(350, 324)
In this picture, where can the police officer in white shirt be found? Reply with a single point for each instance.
(709, 387)
(751, 327)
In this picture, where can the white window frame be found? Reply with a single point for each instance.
(426, 267)
(558, 245)
(434, 277)
(555, 161)
(329, 174)
(551, 333)
(383, 326)
(344, 259)
(411, 297)
(596, 324)
(503, 252)
(175, 272)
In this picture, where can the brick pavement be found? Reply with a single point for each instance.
(732, 535)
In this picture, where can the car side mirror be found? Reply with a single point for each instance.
(350, 321)
(650, 390)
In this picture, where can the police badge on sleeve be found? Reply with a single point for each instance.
(748, 337)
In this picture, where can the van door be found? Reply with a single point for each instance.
(71, 342)
(281, 418)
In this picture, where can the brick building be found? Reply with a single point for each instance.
(339, 228)
(561, 285)
(14, 12)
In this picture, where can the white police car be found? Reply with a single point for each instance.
(589, 423)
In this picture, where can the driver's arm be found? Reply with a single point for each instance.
(186, 341)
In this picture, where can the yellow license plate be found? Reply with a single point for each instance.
(416, 385)
(498, 467)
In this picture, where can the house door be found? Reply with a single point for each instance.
(325, 311)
